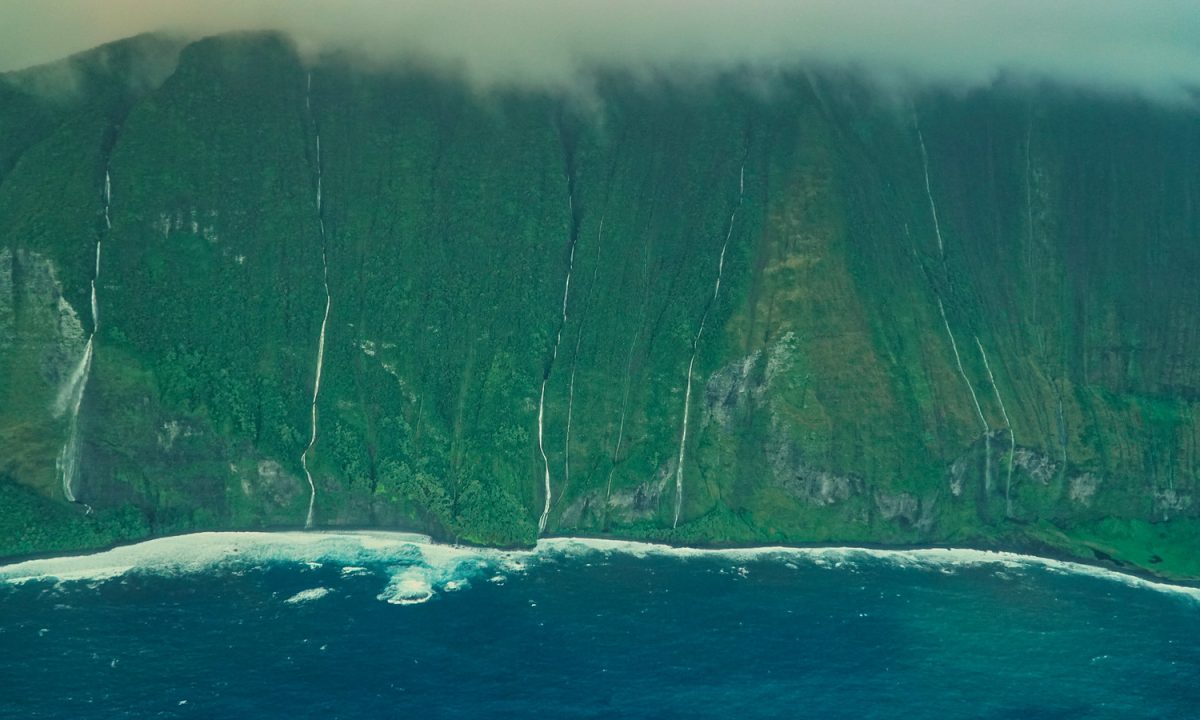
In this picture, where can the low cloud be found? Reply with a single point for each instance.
(1151, 46)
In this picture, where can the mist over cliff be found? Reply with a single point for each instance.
(245, 282)
(1130, 47)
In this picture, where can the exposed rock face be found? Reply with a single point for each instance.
(730, 390)
(907, 509)
(273, 483)
(965, 468)
(1026, 463)
(629, 505)
(1168, 501)
(899, 505)
(737, 386)
(1037, 466)
(35, 318)
(640, 502)
(810, 485)
(1083, 488)
(958, 476)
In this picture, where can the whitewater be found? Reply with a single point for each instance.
(385, 624)
(437, 564)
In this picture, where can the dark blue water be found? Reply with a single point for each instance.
(587, 634)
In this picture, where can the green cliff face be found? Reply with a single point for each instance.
(963, 318)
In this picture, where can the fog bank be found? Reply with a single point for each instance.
(1148, 46)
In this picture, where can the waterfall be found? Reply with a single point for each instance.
(71, 395)
(1012, 438)
(554, 356)
(68, 458)
(312, 438)
(575, 360)
(937, 229)
(687, 393)
(961, 370)
(545, 460)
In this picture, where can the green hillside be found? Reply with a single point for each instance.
(960, 318)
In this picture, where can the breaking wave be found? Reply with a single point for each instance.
(308, 595)
(945, 560)
(418, 569)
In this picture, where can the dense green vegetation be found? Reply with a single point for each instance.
(856, 351)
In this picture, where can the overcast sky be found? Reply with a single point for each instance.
(1152, 45)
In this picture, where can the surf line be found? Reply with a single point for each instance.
(197, 552)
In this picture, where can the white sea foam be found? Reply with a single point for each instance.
(89, 573)
(307, 595)
(201, 551)
(839, 558)
(418, 568)
(408, 586)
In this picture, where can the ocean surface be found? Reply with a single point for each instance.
(386, 625)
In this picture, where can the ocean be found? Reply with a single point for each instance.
(390, 625)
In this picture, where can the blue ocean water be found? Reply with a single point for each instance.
(341, 625)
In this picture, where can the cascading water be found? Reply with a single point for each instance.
(962, 371)
(554, 356)
(937, 229)
(545, 460)
(70, 397)
(312, 439)
(1012, 438)
(687, 393)
(575, 360)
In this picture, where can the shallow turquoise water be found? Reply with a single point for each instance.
(320, 629)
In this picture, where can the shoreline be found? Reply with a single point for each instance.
(197, 551)
(1029, 548)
